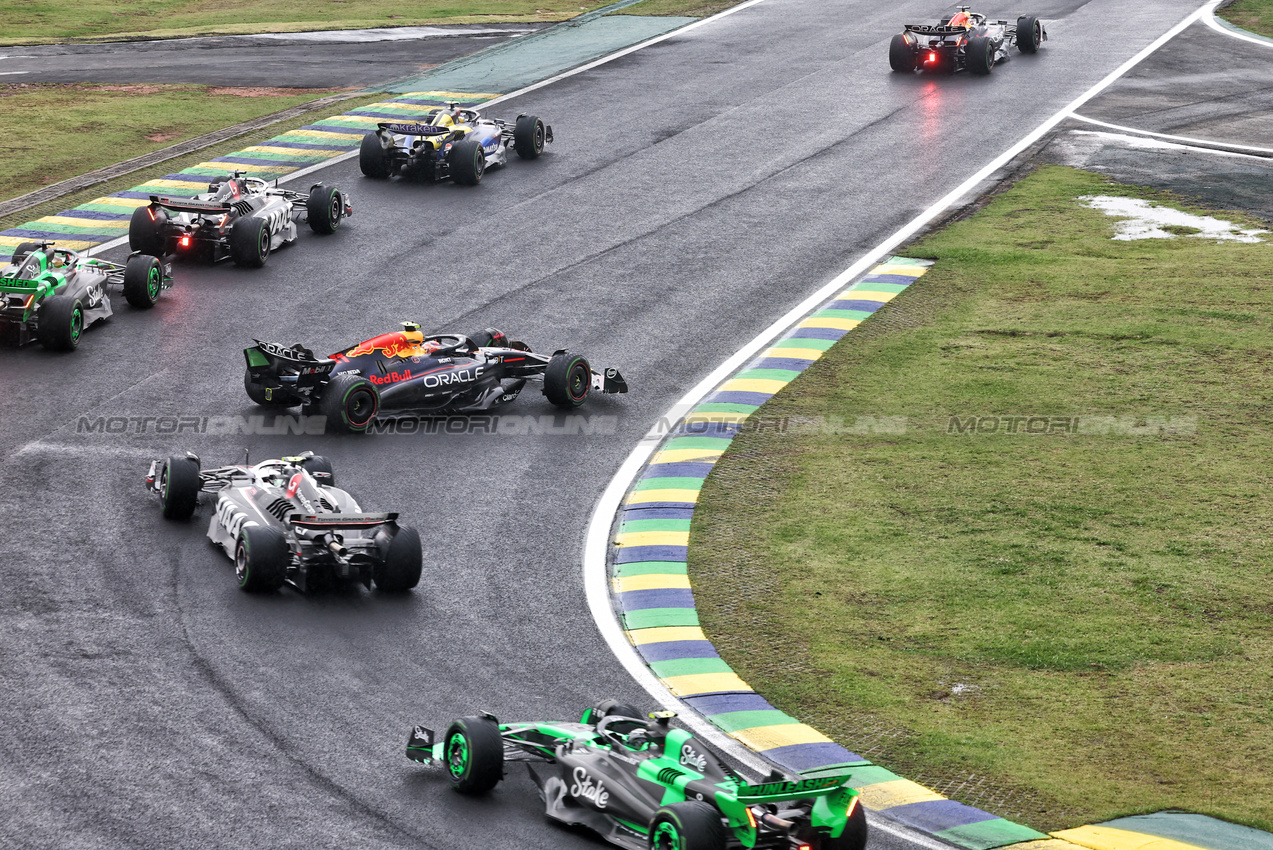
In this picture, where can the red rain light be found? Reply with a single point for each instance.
(185, 242)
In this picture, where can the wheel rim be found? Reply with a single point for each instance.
(578, 386)
(241, 561)
(360, 406)
(457, 754)
(479, 163)
(264, 243)
(152, 284)
(77, 324)
(539, 137)
(665, 837)
(335, 208)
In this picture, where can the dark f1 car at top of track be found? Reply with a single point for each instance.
(645, 785)
(243, 218)
(406, 372)
(453, 142)
(966, 40)
(285, 521)
(52, 294)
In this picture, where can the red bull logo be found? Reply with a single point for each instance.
(395, 344)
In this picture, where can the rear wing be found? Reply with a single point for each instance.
(934, 29)
(190, 205)
(797, 789)
(341, 520)
(415, 129)
(272, 358)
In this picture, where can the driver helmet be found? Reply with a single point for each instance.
(961, 19)
(497, 338)
(639, 739)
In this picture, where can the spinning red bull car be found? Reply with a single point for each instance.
(645, 785)
(454, 142)
(243, 218)
(285, 521)
(406, 372)
(966, 40)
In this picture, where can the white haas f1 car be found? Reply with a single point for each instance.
(285, 521)
(966, 40)
(454, 142)
(243, 218)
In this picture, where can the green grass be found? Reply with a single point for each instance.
(1254, 15)
(1079, 621)
(685, 8)
(57, 20)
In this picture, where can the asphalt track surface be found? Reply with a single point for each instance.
(149, 703)
(303, 60)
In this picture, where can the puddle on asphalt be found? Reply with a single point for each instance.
(1141, 219)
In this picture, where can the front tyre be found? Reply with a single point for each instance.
(325, 207)
(143, 281)
(1029, 34)
(260, 559)
(23, 250)
(567, 380)
(468, 162)
(403, 563)
(528, 137)
(146, 230)
(61, 323)
(900, 56)
(321, 468)
(373, 157)
(473, 753)
(349, 402)
(179, 486)
(691, 825)
(980, 55)
(250, 242)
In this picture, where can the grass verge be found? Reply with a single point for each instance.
(174, 165)
(1059, 627)
(59, 20)
(1253, 15)
(678, 8)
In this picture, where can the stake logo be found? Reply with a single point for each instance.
(585, 788)
(692, 758)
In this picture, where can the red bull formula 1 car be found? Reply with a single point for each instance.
(242, 218)
(285, 521)
(405, 372)
(453, 142)
(966, 40)
(646, 785)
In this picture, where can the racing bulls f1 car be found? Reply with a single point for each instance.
(285, 521)
(453, 142)
(53, 294)
(243, 218)
(645, 785)
(405, 372)
(965, 41)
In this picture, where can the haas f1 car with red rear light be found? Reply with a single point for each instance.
(966, 40)
(243, 218)
(644, 784)
(453, 142)
(285, 521)
(405, 372)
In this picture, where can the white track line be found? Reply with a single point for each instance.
(597, 540)
(1233, 32)
(1186, 140)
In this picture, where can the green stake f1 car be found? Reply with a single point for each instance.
(53, 294)
(646, 785)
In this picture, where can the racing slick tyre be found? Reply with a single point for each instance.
(260, 559)
(613, 708)
(900, 56)
(1029, 34)
(321, 468)
(24, 248)
(854, 835)
(528, 137)
(373, 158)
(400, 570)
(691, 825)
(179, 486)
(980, 55)
(468, 162)
(61, 323)
(473, 753)
(325, 208)
(349, 402)
(250, 242)
(567, 380)
(143, 281)
(273, 398)
(146, 230)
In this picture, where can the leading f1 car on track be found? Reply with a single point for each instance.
(646, 785)
(966, 40)
(405, 372)
(285, 521)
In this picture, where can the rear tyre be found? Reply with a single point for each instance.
(854, 835)
(146, 230)
(24, 248)
(567, 380)
(143, 281)
(1029, 34)
(61, 323)
(373, 158)
(691, 825)
(403, 563)
(468, 162)
(257, 392)
(179, 486)
(900, 56)
(260, 559)
(321, 468)
(250, 242)
(528, 137)
(325, 207)
(350, 403)
(473, 753)
(980, 55)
